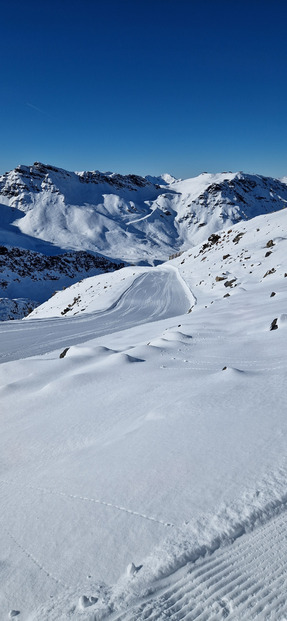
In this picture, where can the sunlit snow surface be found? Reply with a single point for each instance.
(143, 474)
(131, 218)
(51, 220)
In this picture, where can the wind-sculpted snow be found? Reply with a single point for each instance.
(143, 447)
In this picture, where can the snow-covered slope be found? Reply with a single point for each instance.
(244, 257)
(128, 218)
(89, 210)
(150, 462)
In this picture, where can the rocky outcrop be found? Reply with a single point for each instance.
(28, 278)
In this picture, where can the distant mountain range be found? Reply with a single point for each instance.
(57, 227)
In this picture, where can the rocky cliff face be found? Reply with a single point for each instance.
(28, 278)
(43, 177)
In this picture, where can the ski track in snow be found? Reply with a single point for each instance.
(246, 580)
(232, 567)
(144, 217)
(152, 296)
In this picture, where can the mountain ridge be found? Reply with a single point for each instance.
(124, 219)
(246, 257)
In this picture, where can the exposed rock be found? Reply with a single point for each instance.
(28, 262)
(237, 238)
(16, 308)
(229, 283)
(214, 238)
(274, 324)
(64, 352)
(269, 272)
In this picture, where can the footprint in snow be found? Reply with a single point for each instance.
(13, 613)
(85, 602)
(132, 569)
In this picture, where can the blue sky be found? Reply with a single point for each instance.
(179, 86)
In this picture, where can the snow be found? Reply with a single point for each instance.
(130, 218)
(127, 219)
(155, 294)
(164, 179)
(148, 463)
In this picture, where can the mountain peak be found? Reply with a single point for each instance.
(164, 179)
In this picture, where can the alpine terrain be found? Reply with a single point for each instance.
(143, 404)
(57, 227)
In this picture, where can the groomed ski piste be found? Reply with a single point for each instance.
(143, 440)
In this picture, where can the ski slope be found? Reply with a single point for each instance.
(245, 580)
(152, 296)
(53, 222)
(143, 475)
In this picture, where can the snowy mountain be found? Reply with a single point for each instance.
(244, 257)
(165, 179)
(128, 219)
(143, 439)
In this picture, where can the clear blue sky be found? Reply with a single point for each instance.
(179, 86)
